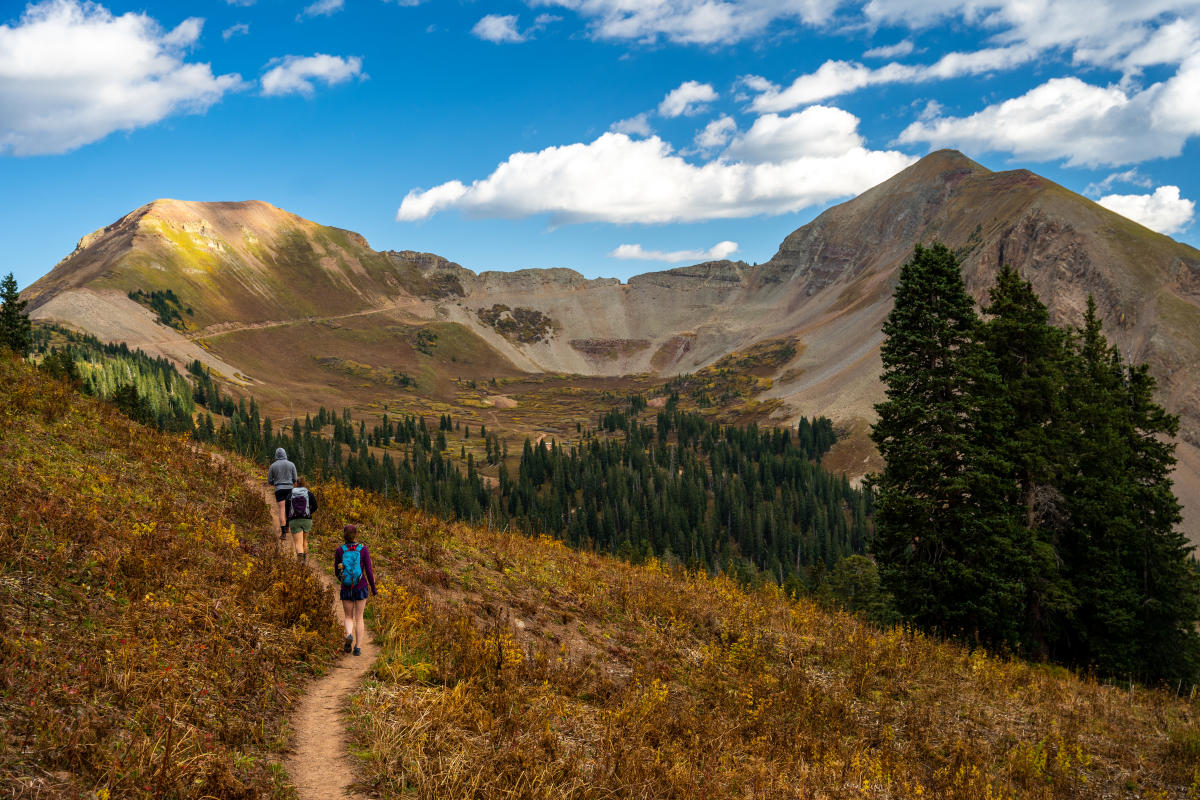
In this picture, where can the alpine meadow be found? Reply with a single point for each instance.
(605, 400)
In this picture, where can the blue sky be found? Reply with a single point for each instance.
(610, 136)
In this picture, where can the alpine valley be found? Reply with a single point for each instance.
(301, 315)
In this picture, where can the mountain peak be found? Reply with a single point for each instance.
(244, 213)
(940, 165)
(952, 159)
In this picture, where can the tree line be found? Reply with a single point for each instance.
(147, 389)
(744, 499)
(1026, 502)
(751, 501)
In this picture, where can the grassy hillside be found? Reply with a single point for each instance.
(151, 639)
(518, 668)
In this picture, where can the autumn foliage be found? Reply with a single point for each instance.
(151, 638)
(518, 668)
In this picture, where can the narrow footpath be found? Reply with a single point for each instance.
(319, 764)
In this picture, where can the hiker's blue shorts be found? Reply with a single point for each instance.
(355, 594)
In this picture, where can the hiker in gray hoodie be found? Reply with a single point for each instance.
(282, 475)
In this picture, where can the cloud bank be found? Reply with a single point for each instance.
(700, 22)
(1087, 125)
(780, 165)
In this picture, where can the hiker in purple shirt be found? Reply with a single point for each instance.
(352, 565)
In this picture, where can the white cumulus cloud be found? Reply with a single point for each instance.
(71, 73)
(719, 251)
(498, 28)
(1131, 177)
(716, 134)
(687, 99)
(637, 125)
(1103, 32)
(1163, 211)
(621, 180)
(297, 74)
(1084, 124)
(817, 131)
(897, 50)
(240, 29)
(834, 78)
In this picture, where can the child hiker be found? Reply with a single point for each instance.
(352, 565)
(282, 475)
(300, 507)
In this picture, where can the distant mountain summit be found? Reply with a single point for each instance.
(250, 273)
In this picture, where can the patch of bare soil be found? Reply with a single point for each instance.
(501, 401)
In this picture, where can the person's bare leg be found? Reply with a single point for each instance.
(359, 628)
(300, 538)
(348, 620)
(282, 512)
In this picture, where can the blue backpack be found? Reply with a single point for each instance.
(351, 565)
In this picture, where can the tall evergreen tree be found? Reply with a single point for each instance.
(1021, 424)
(945, 546)
(1140, 596)
(15, 329)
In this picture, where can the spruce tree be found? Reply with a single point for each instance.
(1020, 423)
(944, 542)
(16, 332)
(1140, 600)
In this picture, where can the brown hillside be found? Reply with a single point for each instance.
(274, 295)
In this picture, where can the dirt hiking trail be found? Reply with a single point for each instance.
(319, 763)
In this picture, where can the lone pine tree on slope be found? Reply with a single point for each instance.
(16, 333)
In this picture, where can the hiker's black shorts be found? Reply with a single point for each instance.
(281, 495)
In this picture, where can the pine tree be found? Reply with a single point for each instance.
(945, 546)
(1140, 596)
(1020, 422)
(16, 332)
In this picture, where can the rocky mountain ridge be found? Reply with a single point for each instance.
(249, 270)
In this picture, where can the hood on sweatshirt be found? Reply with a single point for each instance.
(280, 454)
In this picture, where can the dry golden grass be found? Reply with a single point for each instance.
(517, 668)
(151, 639)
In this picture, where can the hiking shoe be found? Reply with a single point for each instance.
(304, 558)
(349, 643)
(357, 652)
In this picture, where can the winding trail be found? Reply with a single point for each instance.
(319, 763)
(223, 328)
